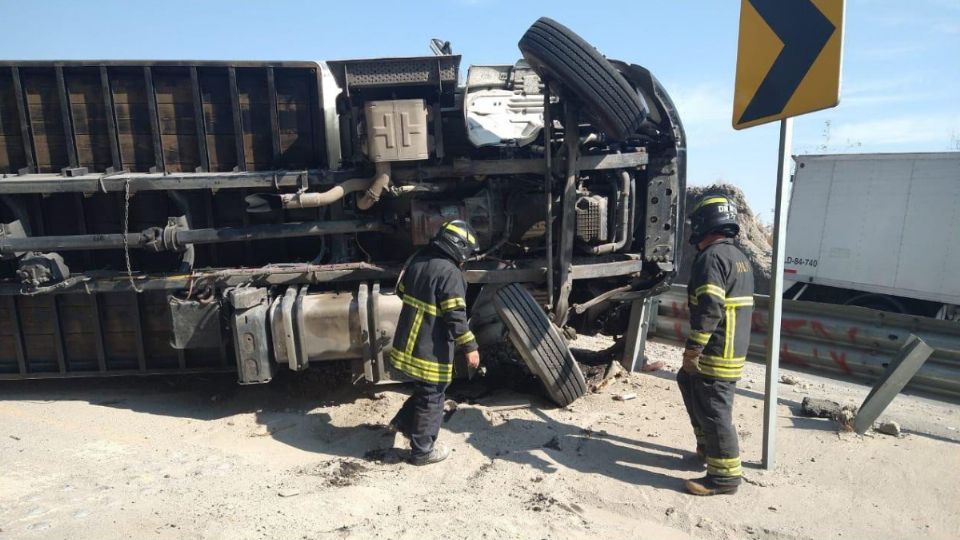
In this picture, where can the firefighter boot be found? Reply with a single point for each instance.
(438, 454)
(706, 486)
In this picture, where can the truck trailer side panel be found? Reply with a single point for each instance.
(880, 223)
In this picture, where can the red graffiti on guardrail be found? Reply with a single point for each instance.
(852, 334)
(819, 330)
(790, 326)
(841, 360)
(790, 358)
(678, 311)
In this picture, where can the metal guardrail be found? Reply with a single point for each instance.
(842, 341)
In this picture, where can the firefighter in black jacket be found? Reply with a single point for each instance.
(721, 309)
(433, 320)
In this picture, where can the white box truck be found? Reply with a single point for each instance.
(876, 230)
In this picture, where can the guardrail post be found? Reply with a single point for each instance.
(901, 369)
(635, 342)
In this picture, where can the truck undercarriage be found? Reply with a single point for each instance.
(168, 217)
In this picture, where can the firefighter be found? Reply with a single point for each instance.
(721, 309)
(432, 323)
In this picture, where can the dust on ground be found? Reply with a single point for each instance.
(200, 457)
(754, 239)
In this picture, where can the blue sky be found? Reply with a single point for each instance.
(901, 68)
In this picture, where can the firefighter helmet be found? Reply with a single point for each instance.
(457, 240)
(713, 214)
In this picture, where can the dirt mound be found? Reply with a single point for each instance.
(753, 239)
(335, 472)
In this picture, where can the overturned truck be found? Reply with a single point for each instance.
(182, 217)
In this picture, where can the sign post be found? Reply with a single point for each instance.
(775, 307)
(788, 63)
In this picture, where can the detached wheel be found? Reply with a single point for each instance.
(541, 346)
(558, 54)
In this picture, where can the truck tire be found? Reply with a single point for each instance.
(540, 344)
(879, 302)
(559, 55)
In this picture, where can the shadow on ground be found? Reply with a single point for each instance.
(293, 409)
(284, 409)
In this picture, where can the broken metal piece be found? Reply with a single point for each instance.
(901, 369)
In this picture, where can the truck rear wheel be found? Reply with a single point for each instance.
(540, 344)
(558, 54)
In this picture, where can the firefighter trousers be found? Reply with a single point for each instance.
(709, 403)
(420, 416)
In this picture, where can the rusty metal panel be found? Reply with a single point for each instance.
(255, 119)
(89, 116)
(215, 97)
(46, 118)
(65, 118)
(177, 122)
(175, 116)
(133, 120)
(12, 150)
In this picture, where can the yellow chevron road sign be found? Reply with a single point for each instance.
(788, 59)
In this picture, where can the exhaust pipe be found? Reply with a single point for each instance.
(373, 187)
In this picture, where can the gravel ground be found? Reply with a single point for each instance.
(200, 457)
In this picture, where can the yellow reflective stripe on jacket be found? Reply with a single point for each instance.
(414, 332)
(711, 200)
(721, 368)
(419, 368)
(465, 338)
(463, 234)
(419, 304)
(733, 301)
(453, 303)
(723, 362)
(700, 337)
(711, 289)
(731, 321)
(720, 373)
(724, 466)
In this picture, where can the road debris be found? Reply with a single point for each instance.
(554, 444)
(625, 397)
(824, 408)
(819, 408)
(846, 416)
(789, 379)
(599, 377)
(888, 428)
(388, 456)
(540, 502)
(650, 367)
(288, 492)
